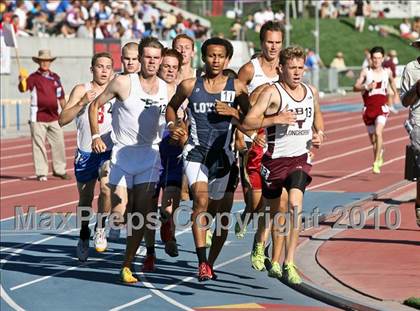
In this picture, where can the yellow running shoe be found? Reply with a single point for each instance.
(275, 271)
(209, 237)
(291, 274)
(126, 276)
(240, 234)
(376, 168)
(258, 257)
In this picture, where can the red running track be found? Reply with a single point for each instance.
(342, 164)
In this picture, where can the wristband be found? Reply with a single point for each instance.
(170, 123)
(253, 135)
(94, 136)
(320, 132)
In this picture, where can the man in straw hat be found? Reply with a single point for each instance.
(46, 93)
(410, 97)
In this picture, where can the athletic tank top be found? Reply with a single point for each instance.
(259, 77)
(377, 96)
(84, 136)
(292, 140)
(139, 120)
(208, 129)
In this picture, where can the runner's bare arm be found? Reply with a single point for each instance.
(392, 84)
(359, 86)
(114, 89)
(183, 91)
(268, 100)
(246, 73)
(318, 126)
(77, 100)
(411, 96)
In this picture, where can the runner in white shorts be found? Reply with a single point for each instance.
(137, 127)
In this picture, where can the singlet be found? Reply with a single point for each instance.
(139, 120)
(209, 130)
(377, 96)
(84, 136)
(292, 140)
(258, 79)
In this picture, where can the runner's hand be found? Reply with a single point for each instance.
(176, 132)
(88, 97)
(317, 140)
(286, 118)
(98, 145)
(224, 109)
(260, 140)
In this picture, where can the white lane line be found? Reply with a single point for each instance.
(9, 300)
(340, 140)
(37, 191)
(66, 140)
(359, 124)
(169, 287)
(80, 265)
(28, 177)
(353, 174)
(20, 155)
(356, 151)
(87, 263)
(132, 303)
(28, 164)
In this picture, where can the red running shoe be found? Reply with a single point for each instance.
(166, 230)
(204, 272)
(149, 263)
(213, 275)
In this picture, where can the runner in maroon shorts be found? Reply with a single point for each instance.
(289, 110)
(373, 83)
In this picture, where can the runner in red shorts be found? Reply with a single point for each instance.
(373, 83)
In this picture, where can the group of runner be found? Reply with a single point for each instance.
(141, 131)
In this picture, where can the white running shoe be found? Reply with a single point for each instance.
(99, 240)
(114, 234)
(83, 249)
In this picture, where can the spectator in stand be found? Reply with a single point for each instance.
(406, 32)
(250, 22)
(279, 16)
(339, 64)
(360, 15)
(87, 30)
(367, 60)
(236, 29)
(259, 20)
(416, 26)
(328, 10)
(268, 14)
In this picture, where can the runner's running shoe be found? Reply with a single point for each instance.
(126, 276)
(257, 257)
(291, 274)
(99, 240)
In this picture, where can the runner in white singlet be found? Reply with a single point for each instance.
(138, 128)
(90, 166)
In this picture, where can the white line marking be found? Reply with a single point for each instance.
(9, 300)
(132, 303)
(331, 142)
(28, 177)
(352, 174)
(36, 191)
(20, 155)
(356, 151)
(28, 164)
(30, 144)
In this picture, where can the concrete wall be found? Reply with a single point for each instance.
(72, 63)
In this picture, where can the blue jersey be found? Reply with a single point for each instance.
(210, 131)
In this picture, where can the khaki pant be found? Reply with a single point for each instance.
(53, 132)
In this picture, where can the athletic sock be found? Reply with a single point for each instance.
(150, 250)
(84, 232)
(201, 254)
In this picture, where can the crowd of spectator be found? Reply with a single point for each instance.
(100, 19)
